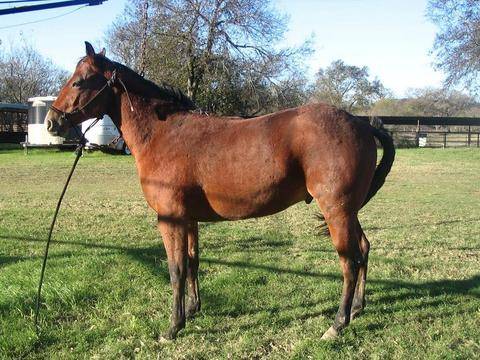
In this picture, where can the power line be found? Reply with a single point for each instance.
(50, 5)
(19, 1)
(42, 20)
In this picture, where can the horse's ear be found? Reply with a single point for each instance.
(89, 49)
(103, 52)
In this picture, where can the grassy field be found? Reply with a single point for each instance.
(270, 286)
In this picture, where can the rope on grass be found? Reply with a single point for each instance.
(78, 152)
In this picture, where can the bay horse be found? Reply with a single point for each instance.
(196, 167)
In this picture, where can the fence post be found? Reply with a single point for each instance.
(469, 136)
(478, 139)
(444, 139)
(417, 134)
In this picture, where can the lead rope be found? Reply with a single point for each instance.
(78, 152)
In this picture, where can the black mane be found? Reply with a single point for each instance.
(163, 91)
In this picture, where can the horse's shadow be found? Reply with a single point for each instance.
(386, 292)
(420, 225)
(385, 297)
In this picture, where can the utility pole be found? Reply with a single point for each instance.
(52, 5)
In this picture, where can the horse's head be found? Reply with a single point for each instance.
(87, 94)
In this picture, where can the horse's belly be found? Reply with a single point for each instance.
(234, 206)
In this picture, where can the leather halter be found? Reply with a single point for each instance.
(66, 116)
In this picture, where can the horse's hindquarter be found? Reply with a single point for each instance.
(338, 158)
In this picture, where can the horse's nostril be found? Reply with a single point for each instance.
(49, 125)
(52, 127)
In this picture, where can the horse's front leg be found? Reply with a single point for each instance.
(174, 235)
(193, 304)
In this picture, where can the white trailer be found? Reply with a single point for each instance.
(38, 135)
(104, 135)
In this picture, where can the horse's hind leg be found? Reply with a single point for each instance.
(344, 231)
(193, 304)
(359, 297)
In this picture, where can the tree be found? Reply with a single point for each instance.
(347, 87)
(25, 73)
(428, 102)
(457, 43)
(440, 102)
(223, 53)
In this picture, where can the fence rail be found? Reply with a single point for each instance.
(444, 139)
(426, 120)
(427, 131)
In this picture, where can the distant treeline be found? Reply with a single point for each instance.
(228, 57)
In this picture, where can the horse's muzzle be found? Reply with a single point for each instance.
(55, 126)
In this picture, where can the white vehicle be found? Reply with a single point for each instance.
(104, 135)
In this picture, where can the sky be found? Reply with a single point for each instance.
(392, 38)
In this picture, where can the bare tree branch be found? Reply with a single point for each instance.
(223, 53)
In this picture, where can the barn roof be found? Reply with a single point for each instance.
(12, 107)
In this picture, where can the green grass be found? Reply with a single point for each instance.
(270, 286)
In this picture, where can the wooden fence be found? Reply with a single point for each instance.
(423, 131)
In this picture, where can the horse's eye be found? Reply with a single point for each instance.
(78, 83)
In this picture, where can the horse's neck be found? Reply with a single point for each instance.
(139, 126)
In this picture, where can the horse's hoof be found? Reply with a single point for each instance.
(330, 334)
(355, 313)
(169, 336)
(190, 314)
(163, 340)
(191, 310)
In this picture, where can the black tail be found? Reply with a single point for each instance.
(381, 171)
(385, 164)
